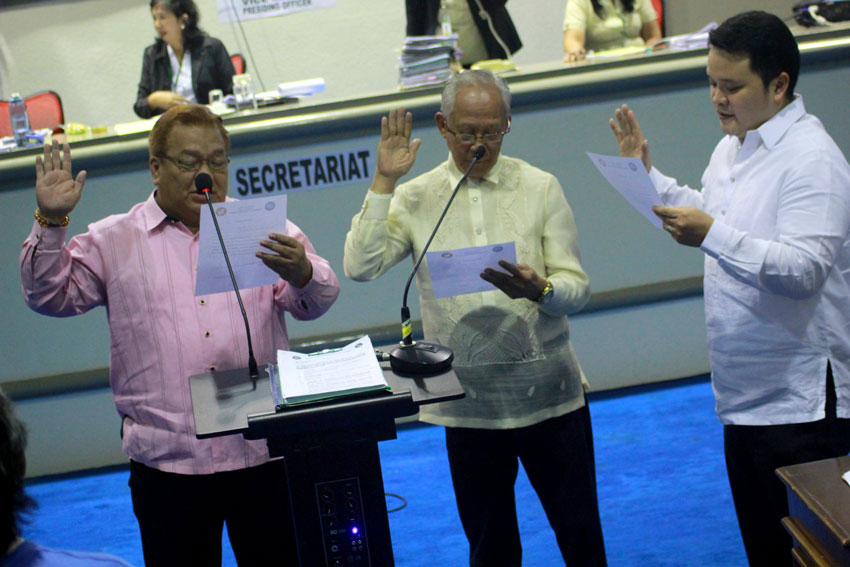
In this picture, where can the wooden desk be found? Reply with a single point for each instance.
(819, 512)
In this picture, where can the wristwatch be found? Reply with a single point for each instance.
(546, 293)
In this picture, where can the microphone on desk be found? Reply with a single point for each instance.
(203, 185)
(413, 358)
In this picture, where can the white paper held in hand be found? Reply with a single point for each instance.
(243, 224)
(457, 272)
(629, 177)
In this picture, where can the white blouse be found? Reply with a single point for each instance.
(181, 75)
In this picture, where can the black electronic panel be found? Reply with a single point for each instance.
(343, 523)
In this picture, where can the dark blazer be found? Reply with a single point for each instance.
(211, 69)
(422, 20)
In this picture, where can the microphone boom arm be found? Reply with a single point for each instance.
(425, 358)
(252, 362)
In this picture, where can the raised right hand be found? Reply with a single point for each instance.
(629, 136)
(396, 153)
(56, 191)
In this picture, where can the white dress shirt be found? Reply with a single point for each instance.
(777, 296)
(512, 356)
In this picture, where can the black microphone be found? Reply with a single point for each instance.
(203, 185)
(413, 358)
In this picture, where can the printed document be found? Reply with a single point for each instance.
(330, 373)
(629, 177)
(457, 272)
(243, 224)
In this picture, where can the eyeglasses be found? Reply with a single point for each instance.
(216, 162)
(487, 137)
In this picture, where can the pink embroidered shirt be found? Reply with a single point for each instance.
(141, 266)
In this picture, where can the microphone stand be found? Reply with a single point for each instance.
(203, 184)
(422, 359)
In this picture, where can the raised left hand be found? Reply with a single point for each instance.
(687, 225)
(289, 259)
(521, 281)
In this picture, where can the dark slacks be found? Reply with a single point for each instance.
(181, 517)
(557, 456)
(754, 452)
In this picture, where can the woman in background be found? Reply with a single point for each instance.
(597, 25)
(184, 64)
(484, 27)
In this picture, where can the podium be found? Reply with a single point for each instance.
(331, 454)
(819, 512)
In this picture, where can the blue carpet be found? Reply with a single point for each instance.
(663, 493)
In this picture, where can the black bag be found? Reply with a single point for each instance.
(808, 13)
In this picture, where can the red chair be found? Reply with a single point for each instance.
(659, 9)
(239, 63)
(44, 110)
(5, 121)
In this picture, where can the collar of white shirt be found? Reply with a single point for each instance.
(772, 131)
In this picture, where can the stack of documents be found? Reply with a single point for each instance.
(300, 378)
(426, 60)
(685, 42)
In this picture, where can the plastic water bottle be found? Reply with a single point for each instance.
(19, 119)
(445, 20)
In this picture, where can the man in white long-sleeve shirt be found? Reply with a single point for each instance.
(524, 398)
(772, 219)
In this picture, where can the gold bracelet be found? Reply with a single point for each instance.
(46, 222)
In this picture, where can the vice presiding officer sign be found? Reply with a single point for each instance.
(230, 11)
(303, 173)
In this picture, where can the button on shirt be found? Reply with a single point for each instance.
(513, 357)
(142, 267)
(777, 297)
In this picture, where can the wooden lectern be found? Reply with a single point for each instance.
(331, 451)
(819, 512)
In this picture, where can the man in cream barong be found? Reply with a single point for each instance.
(524, 396)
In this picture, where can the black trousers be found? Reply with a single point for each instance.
(754, 452)
(557, 456)
(181, 517)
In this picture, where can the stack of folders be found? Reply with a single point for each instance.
(426, 60)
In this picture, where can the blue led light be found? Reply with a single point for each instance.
(355, 530)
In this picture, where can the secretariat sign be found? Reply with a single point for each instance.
(239, 10)
(288, 175)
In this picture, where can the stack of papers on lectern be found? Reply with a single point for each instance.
(426, 60)
(300, 378)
